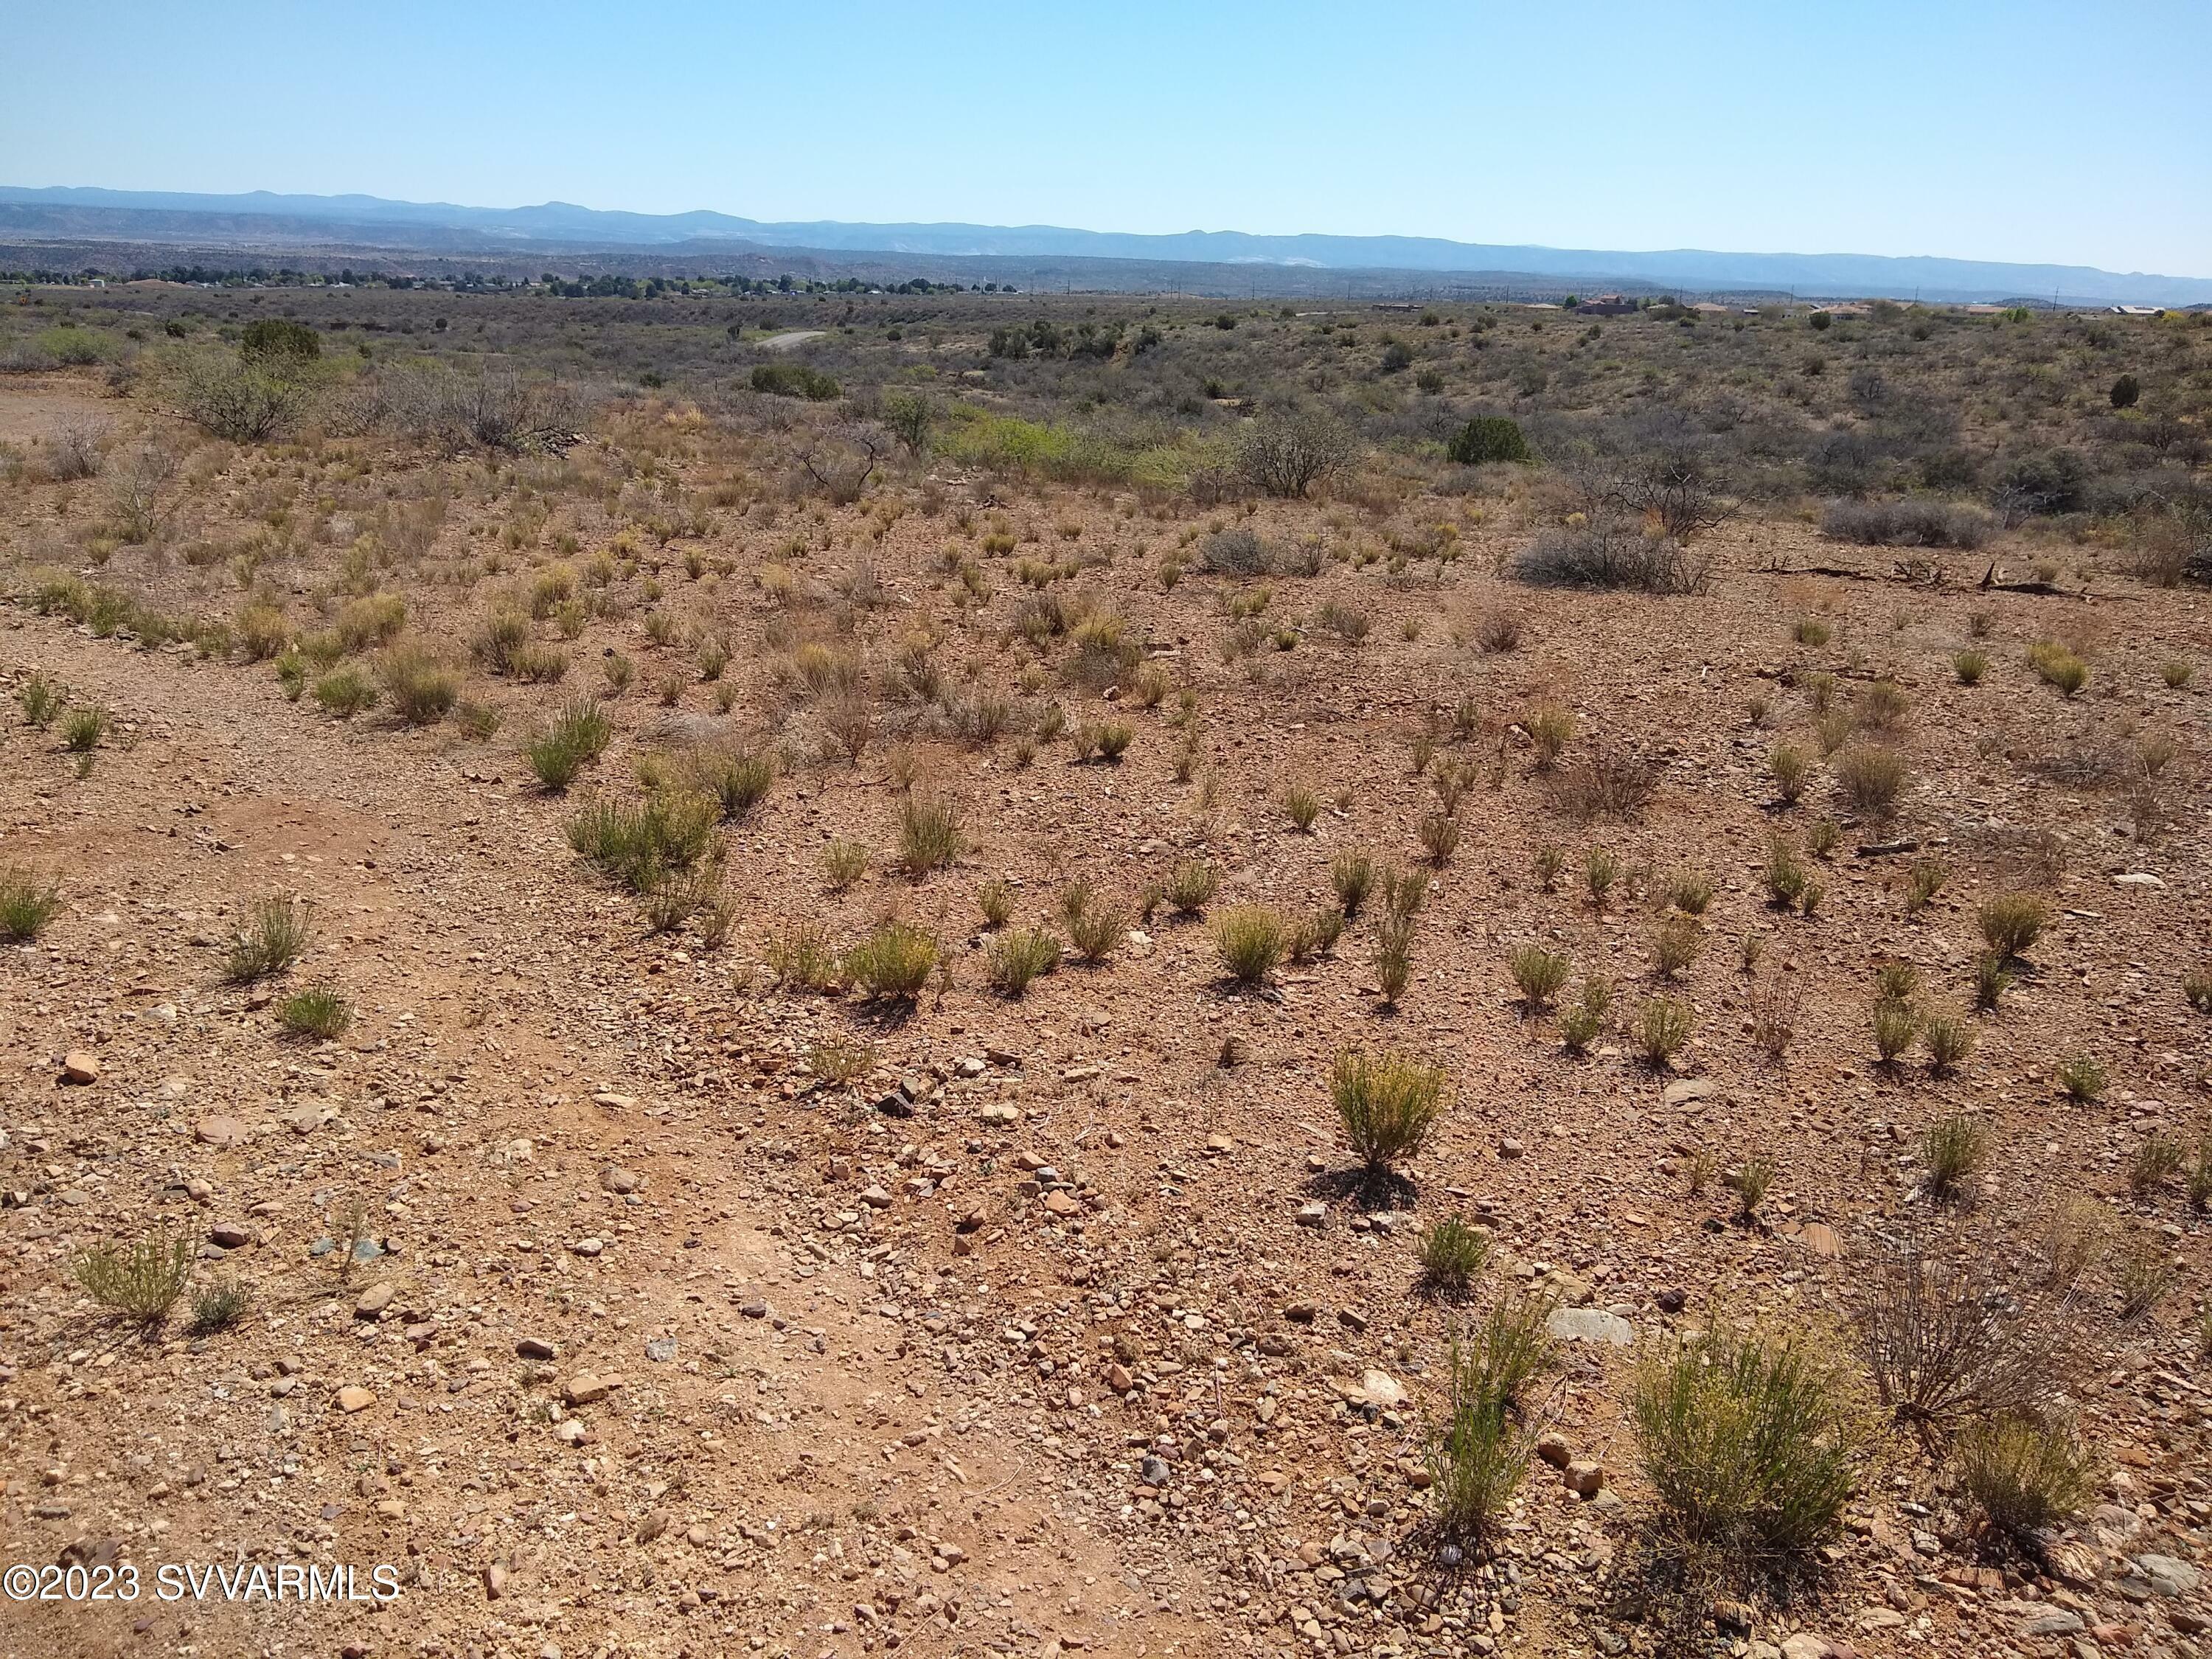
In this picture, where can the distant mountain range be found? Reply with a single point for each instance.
(271, 223)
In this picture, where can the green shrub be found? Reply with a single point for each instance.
(1098, 927)
(1018, 955)
(1387, 1104)
(577, 738)
(1663, 1028)
(1749, 1444)
(844, 862)
(1582, 1023)
(996, 898)
(537, 665)
(320, 1011)
(345, 692)
(1393, 957)
(1191, 885)
(27, 904)
(2082, 1078)
(1478, 1456)
(1970, 665)
(1352, 875)
(1896, 1027)
(894, 962)
(219, 1306)
(738, 778)
(279, 343)
(2011, 922)
(640, 846)
(2157, 1160)
(83, 728)
(1951, 1150)
(267, 939)
(42, 698)
(1488, 438)
(793, 380)
(374, 619)
(1538, 974)
(1251, 939)
(2025, 1475)
(140, 1280)
(1452, 1256)
(2055, 665)
(799, 954)
(1950, 1040)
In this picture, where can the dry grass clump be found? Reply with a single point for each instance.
(1915, 521)
(139, 1280)
(893, 963)
(1675, 943)
(2055, 665)
(422, 689)
(344, 692)
(1608, 782)
(799, 954)
(1251, 939)
(844, 861)
(219, 1306)
(1584, 1020)
(1018, 955)
(995, 899)
(2025, 1474)
(27, 904)
(1751, 1446)
(1096, 925)
(1387, 1104)
(1872, 779)
(267, 939)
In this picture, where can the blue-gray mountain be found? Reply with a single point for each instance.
(273, 221)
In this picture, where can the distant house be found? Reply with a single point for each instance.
(1605, 305)
(2137, 311)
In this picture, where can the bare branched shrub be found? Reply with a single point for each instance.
(1286, 454)
(1610, 551)
(1609, 781)
(1954, 1336)
(1915, 522)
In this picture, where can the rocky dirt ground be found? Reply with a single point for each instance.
(1061, 1327)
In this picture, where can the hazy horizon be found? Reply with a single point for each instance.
(1901, 134)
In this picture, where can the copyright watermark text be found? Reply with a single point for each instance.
(186, 1580)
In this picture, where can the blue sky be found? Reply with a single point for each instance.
(2026, 131)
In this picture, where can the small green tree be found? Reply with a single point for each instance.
(1488, 438)
(278, 343)
(2125, 392)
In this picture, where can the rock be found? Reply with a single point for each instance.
(1059, 1203)
(1589, 1325)
(613, 1101)
(1805, 1645)
(229, 1235)
(1509, 1147)
(877, 1198)
(660, 1349)
(2138, 879)
(584, 1390)
(1584, 1477)
(1153, 1471)
(1881, 1618)
(220, 1132)
(754, 1308)
(1672, 1300)
(618, 1179)
(587, 1246)
(1302, 1313)
(1381, 1389)
(1352, 1319)
(1555, 1450)
(534, 1347)
(494, 1581)
(80, 1067)
(1119, 1379)
(1819, 1237)
(1313, 1214)
(2169, 1576)
(354, 1398)
(372, 1301)
(1683, 1090)
(2059, 1622)
(1217, 1144)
